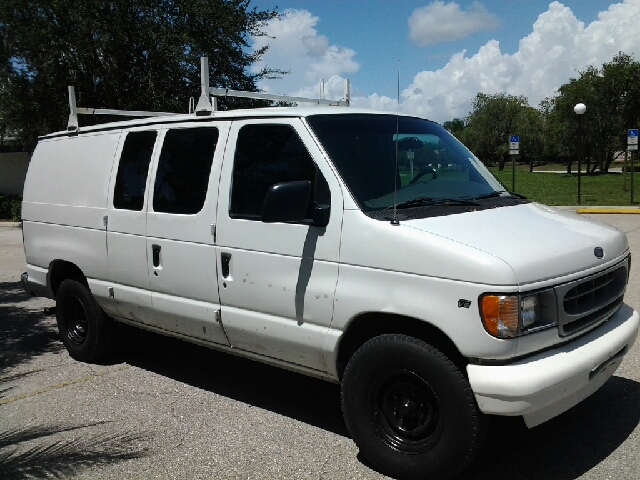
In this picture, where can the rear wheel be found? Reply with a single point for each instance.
(409, 409)
(85, 330)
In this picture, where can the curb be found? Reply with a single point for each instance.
(610, 210)
(10, 224)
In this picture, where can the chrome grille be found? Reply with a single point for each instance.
(590, 300)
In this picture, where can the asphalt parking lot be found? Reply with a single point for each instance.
(163, 408)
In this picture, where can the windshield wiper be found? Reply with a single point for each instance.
(435, 202)
(517, 195)
(498, 194)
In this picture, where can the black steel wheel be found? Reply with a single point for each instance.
(85, 330)
(404, 411)
(409, 409)
(76, 319)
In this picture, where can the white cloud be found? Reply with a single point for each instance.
(317, 45)
(334, 87)
(375, 101)
(558, 47)
(439, 22)
(295, 43)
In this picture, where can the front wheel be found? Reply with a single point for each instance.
(85, 330)
(409, 409)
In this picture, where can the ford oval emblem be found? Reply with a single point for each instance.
(598, 252)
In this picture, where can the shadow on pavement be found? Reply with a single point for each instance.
(566, 447)
(46, 452)
(300, 397)
(25, 332)
(563, 448)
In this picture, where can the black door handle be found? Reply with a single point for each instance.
(225, 259)
(156, 255)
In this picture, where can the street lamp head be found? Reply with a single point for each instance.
(580, 108)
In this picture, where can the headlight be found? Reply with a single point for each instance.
(529, 310)
(507, 316)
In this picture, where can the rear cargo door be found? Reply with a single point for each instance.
(130, 295)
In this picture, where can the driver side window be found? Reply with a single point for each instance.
(266, 155)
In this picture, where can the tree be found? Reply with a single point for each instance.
(529, 123)
(550, 132)
(555, 148)
(492, 119)
(454, 126)
(128, 54)
(612, 97)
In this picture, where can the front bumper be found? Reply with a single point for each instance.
(544, 385)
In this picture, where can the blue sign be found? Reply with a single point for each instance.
(632, 132)
(516, 138)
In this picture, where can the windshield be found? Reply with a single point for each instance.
(432, 166)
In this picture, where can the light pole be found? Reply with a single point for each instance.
(579, 109)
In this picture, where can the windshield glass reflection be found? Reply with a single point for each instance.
(432, 166)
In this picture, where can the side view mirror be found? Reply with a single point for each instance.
(286, 202)
(321, 215)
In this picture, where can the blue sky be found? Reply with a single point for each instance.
(447, 50)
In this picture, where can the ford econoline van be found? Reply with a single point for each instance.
(361, 247)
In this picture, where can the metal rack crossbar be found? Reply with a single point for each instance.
(225, 92)
(207, 103)
(205, 106)
(72, 125)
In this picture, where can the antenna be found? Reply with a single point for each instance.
(394, 221)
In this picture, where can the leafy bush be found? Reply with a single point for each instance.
(10, 207)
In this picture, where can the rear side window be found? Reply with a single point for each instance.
(133, 170)
(266, 155)
(183, 170)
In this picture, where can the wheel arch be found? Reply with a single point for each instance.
(60, 270)
(368, 325)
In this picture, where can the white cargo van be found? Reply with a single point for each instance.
(361, 247)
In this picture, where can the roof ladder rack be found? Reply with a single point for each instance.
(72, 125)
(205, 107)
(207, 102)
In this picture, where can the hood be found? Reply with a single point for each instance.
(538, 242)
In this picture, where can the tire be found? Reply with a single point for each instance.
(409, 409)
(85, 330)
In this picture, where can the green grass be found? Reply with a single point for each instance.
(562, 189)
(405, 177)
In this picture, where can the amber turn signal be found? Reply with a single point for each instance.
(500, 315)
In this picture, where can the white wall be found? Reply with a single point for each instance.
(13, 170)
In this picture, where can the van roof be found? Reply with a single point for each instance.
(267, 112)
(206, 109)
